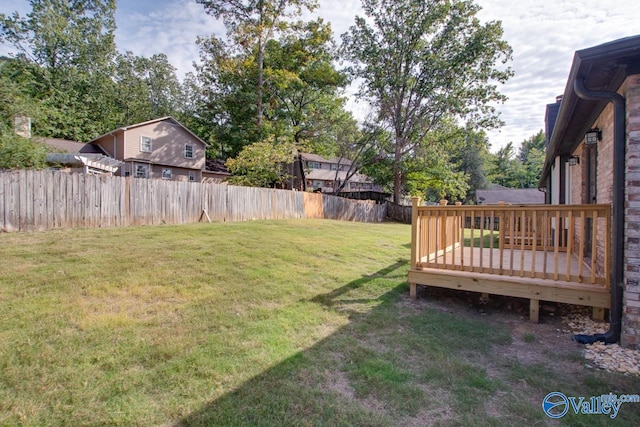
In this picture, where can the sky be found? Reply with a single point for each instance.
(544, 35)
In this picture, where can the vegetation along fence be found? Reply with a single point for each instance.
(41, 200)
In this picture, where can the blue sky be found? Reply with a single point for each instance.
(544, 35)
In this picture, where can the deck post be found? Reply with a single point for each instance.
(598, 313)
(415, 229)
(534, 310)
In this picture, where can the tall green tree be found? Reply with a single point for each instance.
(470, 155)
(147, 88)
(16, 151)
(519, 168)
(424, 61)
(68, 46)
(506, 168)
(251, 24)
(302, 85)
(301, 91)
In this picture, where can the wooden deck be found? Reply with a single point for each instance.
(524, 257)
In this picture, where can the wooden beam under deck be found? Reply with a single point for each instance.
(534, 289)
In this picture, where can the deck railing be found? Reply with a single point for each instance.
(568, 243)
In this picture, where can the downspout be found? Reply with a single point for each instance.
(617, 268)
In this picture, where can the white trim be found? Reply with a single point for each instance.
(192, 151)
(143, 140)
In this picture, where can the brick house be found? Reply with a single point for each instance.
(593, 157)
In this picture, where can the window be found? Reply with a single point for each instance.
(142, 171)
(313, 165)
(192, 176)
(188, 151)
(166, 173)
(145, 144)
(334, 167)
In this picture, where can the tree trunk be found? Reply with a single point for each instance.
(397, 172)
(260, 85)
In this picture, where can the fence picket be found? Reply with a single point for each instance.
(41, 200)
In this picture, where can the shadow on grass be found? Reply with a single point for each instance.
(383, 368)
(401, 362)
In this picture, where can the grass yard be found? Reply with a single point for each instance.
(300, 322)
(481, 238)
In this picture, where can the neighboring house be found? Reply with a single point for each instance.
(510, 196)
(318, 173)
(71, 156)
(162, 148)
(593, 157)
(215, 171)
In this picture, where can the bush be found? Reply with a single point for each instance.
(17, 152)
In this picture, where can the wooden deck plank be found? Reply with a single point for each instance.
(523, 260)
(540, 289)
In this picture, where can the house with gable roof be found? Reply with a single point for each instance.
(162, 149)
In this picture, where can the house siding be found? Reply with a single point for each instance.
(631, 308)
(168, 142)
(107, 144)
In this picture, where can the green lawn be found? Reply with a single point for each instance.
(301, 322)
(481, 238)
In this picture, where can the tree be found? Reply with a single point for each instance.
(470, 155)
(147, 88)
(423, 61)
(506, 168)
(262, 164)
(251, 24)
(68, 47)
(521, 170)
(302, 84)
(17, 152)
(535, 142)
(301, 92)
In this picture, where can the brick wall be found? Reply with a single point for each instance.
(604, 178)
(631, 308)
(604, 189)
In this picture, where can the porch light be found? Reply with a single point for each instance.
(574, 160)
(593, 136)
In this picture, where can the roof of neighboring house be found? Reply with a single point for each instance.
(67, 146)
(161, 119)
(329, 175)
(525, 196)
(94, 160)
(317, 158)
(215, 166)
(602, 68)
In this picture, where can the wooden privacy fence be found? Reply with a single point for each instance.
(41, 200)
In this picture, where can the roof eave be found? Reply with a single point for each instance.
(603, 67)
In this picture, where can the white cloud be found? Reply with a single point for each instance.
(544, 35)
(170, 27)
